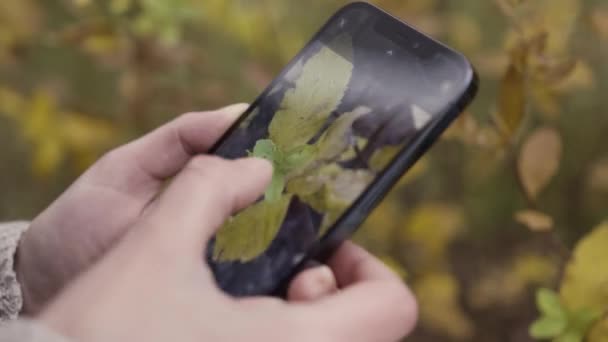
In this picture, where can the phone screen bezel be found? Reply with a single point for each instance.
(402, 34)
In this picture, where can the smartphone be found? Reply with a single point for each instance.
(347, 117)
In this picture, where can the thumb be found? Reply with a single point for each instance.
(202, 197)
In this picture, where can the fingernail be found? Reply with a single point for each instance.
(326, 278)
(235, 110)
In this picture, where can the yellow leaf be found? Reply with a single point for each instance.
(559, 18)
(99, 44)
(20, 18)
(585, 283)
(599, 331)
(534, 269)
(599, 21)
(545, 100)
(381, 224)
(430, 229)
(11, 103)
(539, 160)
(83, 132)
(491, 63)
(535, 220)
(511, 101)
(599, 176)
(48, 154)
(82, 3)
(464, 31)
(438, 297)
(581, 78)
(120, 6)
(555, 71)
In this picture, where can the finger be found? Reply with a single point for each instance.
(140, 167)
(203, 195)
(372, 305)
(312, 284)
(352, 264)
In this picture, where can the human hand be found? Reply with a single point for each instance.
(154, 286)
(97, 210)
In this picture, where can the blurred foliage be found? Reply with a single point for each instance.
(507, 203)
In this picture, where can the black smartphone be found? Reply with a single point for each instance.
(347, 117)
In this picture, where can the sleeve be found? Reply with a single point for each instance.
(28, 331)
(10, 291)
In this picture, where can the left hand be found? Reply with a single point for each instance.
(152, 285)
(96, 211)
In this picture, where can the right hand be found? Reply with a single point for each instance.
(154, 286)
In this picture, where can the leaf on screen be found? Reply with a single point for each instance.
(317, 93)
(249, 233)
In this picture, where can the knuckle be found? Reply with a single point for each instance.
(217, 175)
(112, 158)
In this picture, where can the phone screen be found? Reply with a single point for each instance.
(330, 123)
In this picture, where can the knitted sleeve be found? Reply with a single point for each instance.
(10, 291)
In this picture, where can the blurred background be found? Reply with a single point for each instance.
(498, 229)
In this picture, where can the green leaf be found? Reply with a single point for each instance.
(317, 93)
(298, 158)
(265, 149)
(249, 233)
(275, 189)
(570, 336)
(548, 327)
(283, 164)
(548, 303)
(582, 320)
